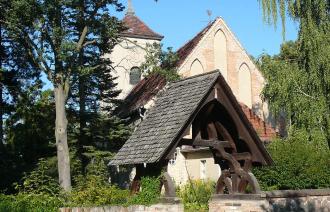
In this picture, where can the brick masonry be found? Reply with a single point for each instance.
(303, 200)
(317, 200)
(275, 201)
(134, 208)
(236, 57)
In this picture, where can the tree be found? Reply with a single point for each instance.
(2, 7)
(299, 164)
(57, 36)
(13, 70)
(18, 83)
(29, 129)
(308, 82)
(93, 82)
(159, 61)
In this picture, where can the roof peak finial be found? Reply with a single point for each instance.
(130, 10)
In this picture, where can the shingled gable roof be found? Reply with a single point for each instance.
(166, 121)
(148, 88)
(138, 29)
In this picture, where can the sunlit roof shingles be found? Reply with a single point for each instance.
(164, 121)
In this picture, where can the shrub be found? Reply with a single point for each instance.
(24, 202)
(95, 192)
(299, 164)
(40, 181)
(196, 195)
(149, 194)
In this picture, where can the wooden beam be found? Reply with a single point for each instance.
(211, 143)
(211, 131)
(223, 131)
(242, 156)
(185, 141)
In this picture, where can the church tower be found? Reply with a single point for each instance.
(130, 53)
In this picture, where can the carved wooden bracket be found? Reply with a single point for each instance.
(237, 177)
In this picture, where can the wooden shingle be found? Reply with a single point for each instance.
(165, 121)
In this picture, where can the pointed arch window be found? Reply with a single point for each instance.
(245, 85)
(220, 52)
(134, 75)
(196, 67)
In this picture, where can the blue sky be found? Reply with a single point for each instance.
(180, 20)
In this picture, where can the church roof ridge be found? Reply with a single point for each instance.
(184, 51)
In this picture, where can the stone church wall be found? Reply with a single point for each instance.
(129, 53)
(210, 53)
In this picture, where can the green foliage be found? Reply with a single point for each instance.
(94, 191)
(25, 202)
(196, 194)
(149, 194)
(29, 130)
(299, 164)
(306, 91)
(29, 135)
(291, 92)
(91, 190)
(108, 133)
(65, 40)
(159, 61)
(40, 181)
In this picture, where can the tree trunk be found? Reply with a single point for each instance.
(326, 122)
(1, 90)
(61, 123)
(1, 117)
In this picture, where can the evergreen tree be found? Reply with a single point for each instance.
(63, 39)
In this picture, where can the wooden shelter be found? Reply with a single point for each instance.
(200, 111)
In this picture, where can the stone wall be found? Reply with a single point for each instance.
(134, 208)
(130, 52)
(276, 201)
(302, 200)
(290, 200)
(238, 202)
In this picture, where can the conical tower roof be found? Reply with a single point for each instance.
(136, 27)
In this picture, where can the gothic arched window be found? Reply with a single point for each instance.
(245, 85)
(134, 76)
(220, 52)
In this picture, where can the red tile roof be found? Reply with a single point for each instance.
(187, 48)
(264, 130)
(142, 93)
(137, 28)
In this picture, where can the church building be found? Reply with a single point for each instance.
(130, 53)
(214, 48)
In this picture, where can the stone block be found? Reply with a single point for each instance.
(238, 203)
